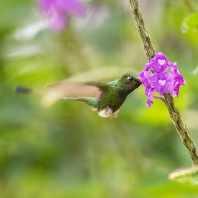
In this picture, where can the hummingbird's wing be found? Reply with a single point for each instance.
(79, 89)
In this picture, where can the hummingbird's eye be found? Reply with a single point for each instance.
(129, 78)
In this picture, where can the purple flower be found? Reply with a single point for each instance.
(58, 11)
(159, 62)
(160, 76)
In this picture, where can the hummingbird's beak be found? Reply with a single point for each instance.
(139, 81)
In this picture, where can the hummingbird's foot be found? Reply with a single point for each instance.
(106, 112)
(115, 114)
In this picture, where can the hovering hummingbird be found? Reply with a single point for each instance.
(106, 98)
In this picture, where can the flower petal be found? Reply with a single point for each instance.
(159, 62)
(57, 21)
(157, 78)
(149, 102)
(58, 11)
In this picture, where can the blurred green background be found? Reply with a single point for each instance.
(67, 150)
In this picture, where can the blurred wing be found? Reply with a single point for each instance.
(77, 89)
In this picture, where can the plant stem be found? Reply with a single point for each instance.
(168, 99)
(181, 127)
(143, 33)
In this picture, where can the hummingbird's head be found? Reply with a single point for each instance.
(130, 78)
(129, 81)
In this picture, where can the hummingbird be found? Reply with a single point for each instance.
(106, 98)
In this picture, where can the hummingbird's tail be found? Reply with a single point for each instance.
(22, 90)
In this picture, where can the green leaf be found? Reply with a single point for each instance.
(190, 23)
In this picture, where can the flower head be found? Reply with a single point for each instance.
(156, 77)
(58, 11)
